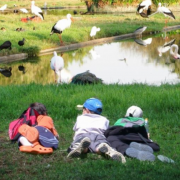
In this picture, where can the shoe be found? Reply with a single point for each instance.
(141, 147)
(165, 159)
(140, 155)
(30, 133)
(78, 147)
(110, 152)
(36, 149)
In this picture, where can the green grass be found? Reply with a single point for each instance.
(159, 103)
(40, 39)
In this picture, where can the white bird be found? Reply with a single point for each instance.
(166, 47)
(165, 11)
(94, 54)
(144, 8)
(36, 10)
(57, 64)
(3, 7)
(61, 25)
(24, 10)
(174, 53)
(94, 30)
(66, 76)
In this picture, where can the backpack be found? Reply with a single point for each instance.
(28, 117)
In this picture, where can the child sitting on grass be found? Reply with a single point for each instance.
(89, 133)
(42, 138)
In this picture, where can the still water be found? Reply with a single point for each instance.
(122, 62)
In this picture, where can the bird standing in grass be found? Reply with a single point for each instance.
(165, 11)
(6, 45)
(36, 10)
(57, 64)
(61, 25)
(21, 43)
(3, 29)
(3, 7)
(94, 30)
(24, 10)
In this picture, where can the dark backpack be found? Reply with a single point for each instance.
(29, 117)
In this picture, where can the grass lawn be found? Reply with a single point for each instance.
(160, 104)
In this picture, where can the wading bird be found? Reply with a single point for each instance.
(36, 10)
(61, 25)
(21, 43)
(94, 30)
(57, 64)
(144, 8)
(3, 7)
(174, 53)
(6, 45)
(165, 11)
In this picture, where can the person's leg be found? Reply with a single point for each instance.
(104, 148)
(116, 143)
(79, 146)
(24, 141)
(99, 145)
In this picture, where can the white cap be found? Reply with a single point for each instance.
(134, 111)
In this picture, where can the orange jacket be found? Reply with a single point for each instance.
(47, 122)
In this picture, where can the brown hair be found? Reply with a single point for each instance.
(40, 108)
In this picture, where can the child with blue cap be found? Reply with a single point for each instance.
(89, 132)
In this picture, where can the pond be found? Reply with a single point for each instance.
(122, 62)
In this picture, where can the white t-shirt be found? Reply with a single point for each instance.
(93, 123)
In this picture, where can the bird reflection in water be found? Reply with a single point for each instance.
(138, 33)
(94, 54)
(6, 71)
(22, 68)
(165, 47)
(174, 52)
(144, 42)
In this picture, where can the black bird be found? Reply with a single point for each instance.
(6, 45)
(86, 78)
(21, 43)
(6, 71)
(20, 29)
(22, 68)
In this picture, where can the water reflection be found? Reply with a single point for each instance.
(117, 62)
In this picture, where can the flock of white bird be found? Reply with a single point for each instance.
(144, 9)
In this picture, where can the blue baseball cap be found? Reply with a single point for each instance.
(94, 105)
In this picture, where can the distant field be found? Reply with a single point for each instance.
(50, 3)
